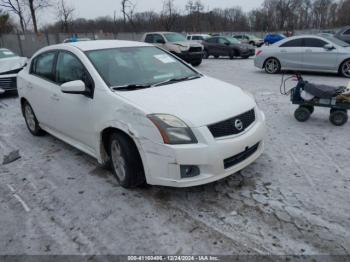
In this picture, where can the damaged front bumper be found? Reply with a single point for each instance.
(8, 83)
(210, 156)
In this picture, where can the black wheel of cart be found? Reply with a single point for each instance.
(311, 109)
(302, 113)
(338, 117)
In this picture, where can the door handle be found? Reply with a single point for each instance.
(55, 97)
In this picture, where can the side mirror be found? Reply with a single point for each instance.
(329, 47)
(160, 41)
(74, 87)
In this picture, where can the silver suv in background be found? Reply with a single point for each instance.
(250, 39)
(344, 34)
(198, 37)
(177, 44)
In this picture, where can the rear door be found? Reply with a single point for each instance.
(42, 90)
(316, 57)
(224, 48)
(210, 45)
(290, 54)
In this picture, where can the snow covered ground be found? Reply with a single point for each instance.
(293, 200)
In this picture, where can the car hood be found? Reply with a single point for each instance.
(198, 102)
(187, 43)
(12, 63)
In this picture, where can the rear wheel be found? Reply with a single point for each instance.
(126, 161)
(302, 113)
(216, 56)
(31, 120)
(272, 66)
(345, 69)
(338, 117)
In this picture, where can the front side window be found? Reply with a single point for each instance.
(43, 65)
(293, 43)
(69, 68)
(158, 39)
(232, 40)
(314, 42)
(137, 66)
(174, 37)
(149, 39)
(222, 40)
(212, 40)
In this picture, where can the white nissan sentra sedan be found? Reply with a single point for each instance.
(153, 117)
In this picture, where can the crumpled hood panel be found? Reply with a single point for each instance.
(12, 63)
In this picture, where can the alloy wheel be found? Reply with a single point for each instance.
(30, 118)
(118, 160)
(272, 66)
(346, 69)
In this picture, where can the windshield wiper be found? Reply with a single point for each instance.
(130, 87)
(175, 80)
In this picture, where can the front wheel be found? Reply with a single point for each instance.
(196, 63)
(205, 54)
(31, 120)
(126, 161)
(302, 114)
(345, 69)
(272, 66)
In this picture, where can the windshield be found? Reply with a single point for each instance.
(5, 53)
(336, 41)
(233, 40)
(175, 37)
(137, 66)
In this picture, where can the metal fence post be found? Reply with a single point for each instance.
(20, 44)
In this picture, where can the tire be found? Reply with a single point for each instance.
(338, 117)
(126, 162)
(31, 120)
(206, 54)
(252, 43)
(310, 108)
(245, 57)
(196, 63)
(302, 114)
(216, 56)
(272, 66)
(344, 68)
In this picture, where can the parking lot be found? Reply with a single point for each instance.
(292, 200)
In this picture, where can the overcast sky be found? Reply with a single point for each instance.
(96, 8)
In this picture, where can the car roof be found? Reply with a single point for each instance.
(100, 44)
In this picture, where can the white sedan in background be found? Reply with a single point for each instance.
(10, 65)
(306, 53)
(154, 117)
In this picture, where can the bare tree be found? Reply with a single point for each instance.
(16, 7)
(65, 14)
(128, 9)
(168, 14)
(34, 6)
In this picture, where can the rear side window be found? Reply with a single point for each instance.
(347, 32)
(43, 65)
(314, 42)
(149, 39)
(293, 43)
(212, 40)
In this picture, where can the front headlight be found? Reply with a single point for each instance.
(173, 130)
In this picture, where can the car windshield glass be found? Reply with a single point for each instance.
(4, 53)
(336, 41)
(138, 66)
(232, 40)
(174, 37)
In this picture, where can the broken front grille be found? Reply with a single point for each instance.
(234, 160)
(230, 127)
